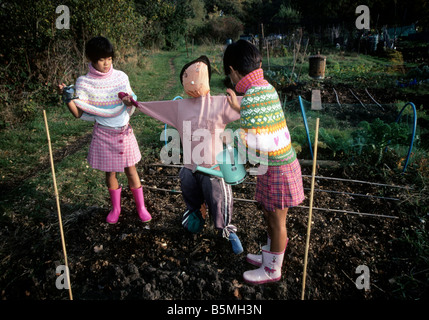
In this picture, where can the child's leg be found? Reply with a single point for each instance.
(111, 181)
(133, 177)
(265, 212)
(276, 223)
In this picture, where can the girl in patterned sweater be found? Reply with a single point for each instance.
(265, 133)
(113, 147)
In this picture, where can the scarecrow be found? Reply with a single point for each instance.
(212, 114)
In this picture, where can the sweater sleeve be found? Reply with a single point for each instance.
(164, 111)
(130, 91)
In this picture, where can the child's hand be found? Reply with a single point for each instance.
(127, 101)
(67, 92)
(61, 88)
(231, 97)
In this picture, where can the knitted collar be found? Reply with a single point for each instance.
(253, 78)
(94, 95)
(94, 73)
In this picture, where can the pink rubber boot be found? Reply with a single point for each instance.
(270, 270)
(141, 209)
(115, 199)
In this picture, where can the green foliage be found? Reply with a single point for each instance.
(221, 28)
(419, 73)
(287, 13)
(337, 141)
(230, 8)
(281, 77)
(372, 138)
(368, 141)
(360, 70)
(355, 67)
(116, 20)
(167, 21)
(197, 18)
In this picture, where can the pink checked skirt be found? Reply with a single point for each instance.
(112, 150)
(280, 187)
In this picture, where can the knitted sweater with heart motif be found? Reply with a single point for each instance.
(265, 136)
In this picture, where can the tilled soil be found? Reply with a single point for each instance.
(161, 260)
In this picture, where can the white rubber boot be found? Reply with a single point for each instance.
(256, 259)
(269, 271)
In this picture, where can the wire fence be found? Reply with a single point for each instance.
(352, 194)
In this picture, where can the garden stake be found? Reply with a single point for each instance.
(366, 90)
(307, 244)
(58, 206)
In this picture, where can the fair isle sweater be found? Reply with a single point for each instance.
(265, 136)
(98, 92)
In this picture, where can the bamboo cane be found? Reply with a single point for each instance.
(307, 244)
(58, 205)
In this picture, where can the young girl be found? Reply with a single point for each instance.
(113, 147)
(266, 133)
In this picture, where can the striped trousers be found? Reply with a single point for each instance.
(198, 188)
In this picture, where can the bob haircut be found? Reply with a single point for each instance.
(98, 48)
(242, 56)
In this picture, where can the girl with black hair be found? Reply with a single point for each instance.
(265, 139)
(113, 147)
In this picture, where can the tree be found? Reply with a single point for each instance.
(223, 27)
(230, 8)
(197, 20)
(286, 16)
(168, 20)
